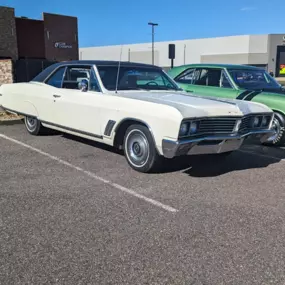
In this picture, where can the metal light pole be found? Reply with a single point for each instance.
(152, 26)
(184, 54)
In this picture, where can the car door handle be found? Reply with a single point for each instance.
(56, 96)
(190, 91)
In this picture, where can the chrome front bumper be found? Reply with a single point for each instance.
(211, 144)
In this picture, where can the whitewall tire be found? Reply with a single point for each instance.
(140, 150)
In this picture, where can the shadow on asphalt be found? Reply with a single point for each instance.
(208, 165)
(214, 166)
(93, 143)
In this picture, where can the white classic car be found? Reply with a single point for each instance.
(134, 107)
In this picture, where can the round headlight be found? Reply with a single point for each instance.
(255, 121)
(193, 127)
(264, 121)
(183, 129)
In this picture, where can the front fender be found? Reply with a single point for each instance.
(159, 128)
(275, 102)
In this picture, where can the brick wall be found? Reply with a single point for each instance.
(8, 35)
(6, 71)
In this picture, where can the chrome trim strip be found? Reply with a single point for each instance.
(55, 125)
(139, 121)
(226, 117)
(73, 130)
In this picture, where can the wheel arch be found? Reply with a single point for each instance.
(121, 128)
(279, 140)
(275, 110)
(28, 109)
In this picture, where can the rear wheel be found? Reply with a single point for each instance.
(34, 126)
(140, 150)
(278, 126)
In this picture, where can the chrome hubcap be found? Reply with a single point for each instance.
(137, 148)
(276, 127)
(31, 123)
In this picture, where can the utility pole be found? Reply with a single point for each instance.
(152, 26)
(184, 54)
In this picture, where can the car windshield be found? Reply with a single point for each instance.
(135, 78)
(253, 79)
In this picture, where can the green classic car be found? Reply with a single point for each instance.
(236, 82)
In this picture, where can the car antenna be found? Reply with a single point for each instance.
(118, 72)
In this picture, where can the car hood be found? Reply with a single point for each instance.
(197, 105)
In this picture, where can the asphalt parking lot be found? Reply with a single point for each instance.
(73, 212)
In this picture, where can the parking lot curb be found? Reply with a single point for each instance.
(11, 122)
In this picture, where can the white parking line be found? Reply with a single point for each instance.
(262, 155)
(117, 186)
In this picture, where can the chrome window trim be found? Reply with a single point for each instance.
(235, 87)
(224, 71)
(172, 80)
(101, 85)
(96, 78)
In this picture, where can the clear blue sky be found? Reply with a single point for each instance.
(109, 22)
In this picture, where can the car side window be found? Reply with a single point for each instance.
(74, 74)
(186, 76)
(208, 77)
(56, 79)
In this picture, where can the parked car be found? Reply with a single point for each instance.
(134, 107)
(240, 82)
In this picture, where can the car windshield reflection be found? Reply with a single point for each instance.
(253, 79)
(135, 78)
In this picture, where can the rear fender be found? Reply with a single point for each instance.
(27, 109)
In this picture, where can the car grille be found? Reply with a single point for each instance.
(246, 123)
(226, 125)
(216, 125)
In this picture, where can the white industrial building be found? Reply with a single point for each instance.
(266, 51)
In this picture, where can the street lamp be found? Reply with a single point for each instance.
(152, 26)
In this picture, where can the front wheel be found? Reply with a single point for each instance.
(140, 150)
(278, 126)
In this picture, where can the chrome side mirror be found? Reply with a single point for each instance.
(83, 85)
